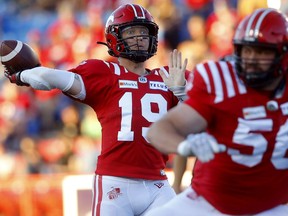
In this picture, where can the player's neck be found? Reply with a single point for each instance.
(137, 68)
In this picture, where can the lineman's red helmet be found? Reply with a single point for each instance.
(126, 16)
(263, 28)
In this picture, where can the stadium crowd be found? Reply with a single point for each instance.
(49, 133)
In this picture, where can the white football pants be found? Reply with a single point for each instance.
(114, 196)
(181, 205)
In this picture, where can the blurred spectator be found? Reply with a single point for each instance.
(85, 153)
(16, 115)
(90, 126)
(246, 7)
(170, 20)
(196, 48)
(200, 7)
(55, 151)
(220, 28)
(11, 164)
(61, 34)
(31, 155)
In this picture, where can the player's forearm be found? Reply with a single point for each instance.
(179, 168)
(43, 78)
(163, 136)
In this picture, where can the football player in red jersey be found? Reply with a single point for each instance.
(127, 97)
(242, 105)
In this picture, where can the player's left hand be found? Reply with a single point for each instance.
(177, 68)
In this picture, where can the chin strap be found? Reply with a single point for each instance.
(103, 43)
(279, 90)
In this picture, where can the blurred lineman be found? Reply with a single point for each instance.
(242, 166)
(127, 97)
(180, 162)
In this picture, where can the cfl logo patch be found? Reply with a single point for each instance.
(114, 193)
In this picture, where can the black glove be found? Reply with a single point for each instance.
(15, 78)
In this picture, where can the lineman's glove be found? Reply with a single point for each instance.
(201, 145)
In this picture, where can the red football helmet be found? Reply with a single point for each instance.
(126, 16)
(263, 28)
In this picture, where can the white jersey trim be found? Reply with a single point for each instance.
(215, 78)
(116, 68)
(227, 79)
(204, 75)
(217, 82)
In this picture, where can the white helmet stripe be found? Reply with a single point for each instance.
(135, 12)
(237, 34)
(251, 19)
(259, 22)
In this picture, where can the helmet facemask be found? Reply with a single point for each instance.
(135, 52)
(257, 78)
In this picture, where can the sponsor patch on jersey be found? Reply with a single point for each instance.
(284, 108)
(158, 85)
(128, 84)
(254, 112)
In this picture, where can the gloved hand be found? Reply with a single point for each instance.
(202, 145)
(177, 68)
(15, 78)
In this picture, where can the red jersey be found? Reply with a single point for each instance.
(126, 104)
(252, 175)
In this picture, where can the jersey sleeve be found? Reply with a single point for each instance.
(198, 96)
(95, 75)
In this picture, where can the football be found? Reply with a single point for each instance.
(17, 56)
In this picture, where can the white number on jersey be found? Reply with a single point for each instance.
(125, 103)
(243, 136)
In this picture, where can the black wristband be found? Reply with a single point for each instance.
(18, 80)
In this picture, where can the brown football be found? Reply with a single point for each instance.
(17, 56)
